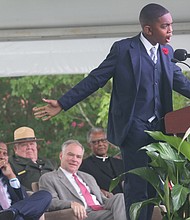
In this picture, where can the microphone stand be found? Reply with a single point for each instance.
(177, 61)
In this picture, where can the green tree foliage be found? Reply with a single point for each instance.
(180, 101)
(19, 95)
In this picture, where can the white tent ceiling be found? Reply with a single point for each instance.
(73, 36)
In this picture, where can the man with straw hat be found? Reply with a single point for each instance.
(25, 162)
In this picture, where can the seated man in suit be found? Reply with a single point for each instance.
(102, 167)
(75, 189)
(25, 162)
(14, 201)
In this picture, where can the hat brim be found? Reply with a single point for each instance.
(23, 141)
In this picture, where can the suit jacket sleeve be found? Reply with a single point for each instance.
(177, 80)
(51, 183)
(95, 80)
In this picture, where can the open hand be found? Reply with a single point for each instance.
(48, 111)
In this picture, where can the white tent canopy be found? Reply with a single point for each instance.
(59, 56)
(57, 37)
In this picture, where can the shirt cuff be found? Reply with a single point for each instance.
(14, 182)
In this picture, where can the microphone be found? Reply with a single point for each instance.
(181, 54)
(174, 60)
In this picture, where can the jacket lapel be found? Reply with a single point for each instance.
(66, 183)
(134, 52)
(166, 61)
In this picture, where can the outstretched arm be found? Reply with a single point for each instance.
(48, 111)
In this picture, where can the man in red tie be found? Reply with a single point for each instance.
(78, 190)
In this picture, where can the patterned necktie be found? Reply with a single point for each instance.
(3, 197)
(153, 54)
(87, 195)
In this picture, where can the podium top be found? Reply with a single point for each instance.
(177, 122)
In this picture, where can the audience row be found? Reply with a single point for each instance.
(92, 201)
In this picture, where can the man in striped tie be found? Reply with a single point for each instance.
(78, 190)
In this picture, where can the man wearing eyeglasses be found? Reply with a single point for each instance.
(99, 164)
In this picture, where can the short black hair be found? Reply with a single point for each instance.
(151, 12)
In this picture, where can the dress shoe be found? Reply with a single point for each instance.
(7, 214)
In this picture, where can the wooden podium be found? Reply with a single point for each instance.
(177, 122)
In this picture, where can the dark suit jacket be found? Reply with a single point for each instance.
(62, 190)
(15, 194)
(101, 173)
(123, 64)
